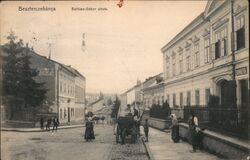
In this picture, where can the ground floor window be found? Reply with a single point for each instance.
(197, 97)
(207, 95)
(244, 93)
(188, 98)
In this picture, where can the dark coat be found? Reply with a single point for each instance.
(89, 131)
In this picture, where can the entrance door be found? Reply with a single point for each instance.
(68, 114)
(244, 93)
(228, 94)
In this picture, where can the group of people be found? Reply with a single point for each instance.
(55, 122)
(194, 131)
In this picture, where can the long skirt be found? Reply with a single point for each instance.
(175, 133)
(89, 134)
(193, 136)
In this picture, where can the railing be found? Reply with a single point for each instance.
(231, 121)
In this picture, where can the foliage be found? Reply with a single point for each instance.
(109, 102)
(160, 111)
(213, 101)
(115, 107)
(102, 118)
(18, 77)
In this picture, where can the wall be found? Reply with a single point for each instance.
(46, 74)
(155, 122)
(219, 144)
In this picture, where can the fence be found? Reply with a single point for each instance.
(231, 121)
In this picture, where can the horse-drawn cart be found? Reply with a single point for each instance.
(126, 126)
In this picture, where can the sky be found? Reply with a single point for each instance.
(122, 45)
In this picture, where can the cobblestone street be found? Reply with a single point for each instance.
(68, 144)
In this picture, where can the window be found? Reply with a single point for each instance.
(181, 99)
(60, 86)
(60, 113)
(181, 62)
(196, 55)
(188, 60)
(207, 50)
(64, 88)
(65, 114)
(220, 45)
(240, 33)
(188, 98)
(174, 100)
(168, 98)
(207, 94)
(167, 69)
(173, 65)
(197, 97)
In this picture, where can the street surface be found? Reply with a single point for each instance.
(68, 144)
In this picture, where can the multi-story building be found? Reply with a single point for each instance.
(153, 91)
(65, 85)
(208, 56)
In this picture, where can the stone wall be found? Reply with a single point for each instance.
(219, 144)
(156, 123)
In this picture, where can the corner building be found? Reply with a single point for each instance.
(207, 55)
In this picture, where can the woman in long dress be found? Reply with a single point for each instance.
(89, 131)
(175, 128)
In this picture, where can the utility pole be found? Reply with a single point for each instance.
(233, 54)
(50, 45)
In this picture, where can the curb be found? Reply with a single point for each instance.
(38, 129)
(149, 153)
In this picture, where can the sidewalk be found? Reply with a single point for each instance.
(39, 129)
(161, 147)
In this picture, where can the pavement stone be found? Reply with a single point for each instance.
(161, 147)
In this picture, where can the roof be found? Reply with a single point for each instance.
(104, 110)
(69, 68)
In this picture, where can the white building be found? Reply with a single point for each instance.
(202, 58)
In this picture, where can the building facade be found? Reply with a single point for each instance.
(208, 56)
(65, 85)
(153, 91)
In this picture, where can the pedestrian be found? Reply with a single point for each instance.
(89, 131)
(174, 128)
(193, 130)
(55, 123)
(48, 124)
(146, 129)
(42, 123)
(133, 133)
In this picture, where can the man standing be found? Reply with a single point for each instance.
(193, 128)
(55, 123)
(41, 123)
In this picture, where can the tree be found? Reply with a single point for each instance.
(18, 77)
(109, 102)
(115, 107)
(31, 92)
(11, 66)
(11, 73)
